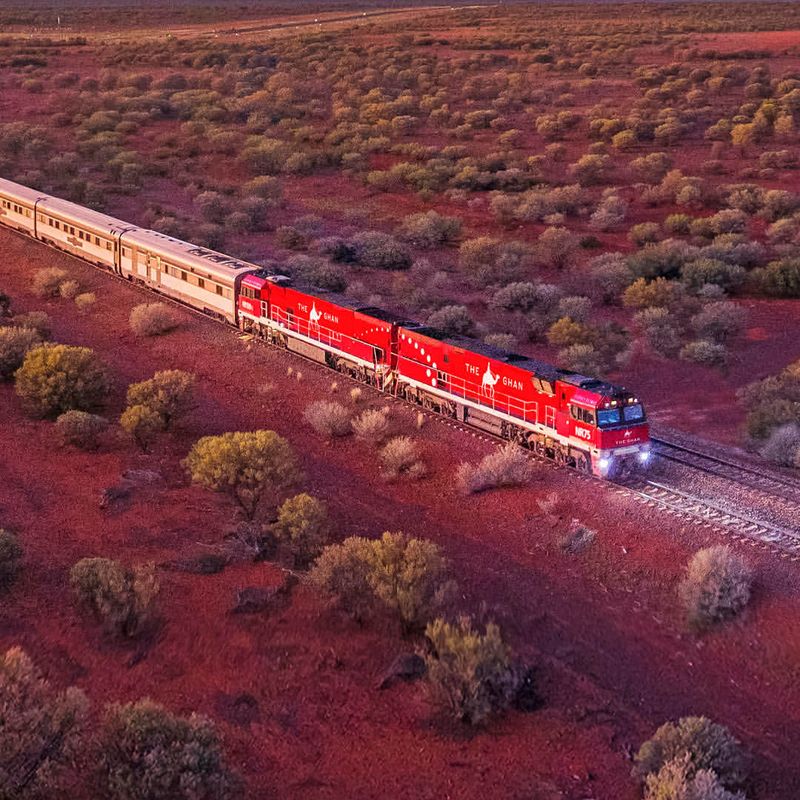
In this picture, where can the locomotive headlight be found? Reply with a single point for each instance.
(644, 456)
(604, 464)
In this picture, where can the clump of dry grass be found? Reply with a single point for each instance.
(152, 319)
(371, 425)
(329, 419)
(85, 302)
(508, 466)
(355, 394)
(400, 457)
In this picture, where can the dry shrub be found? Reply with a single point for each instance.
(508, 466)
(703, 744)
(10, 558)
(371, 426)
(355, 394)
(81, 429)
(69, 289)
(14, 346)
(43, 731)
(170, 393)
(783, 446)
(46, 282)
(38, 321)
(85, 302)
(676, 780)
(400, 456)
(121, 598)
(328, 418)
(470, 674)
(152, 319)
(577, 538)
(147, 753)
(716, 587)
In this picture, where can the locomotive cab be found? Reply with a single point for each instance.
(623, 435)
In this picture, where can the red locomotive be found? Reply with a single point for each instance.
(571, 418)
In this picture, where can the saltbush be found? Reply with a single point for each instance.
(14, 346)
(329, 418)
(716, 587)
(58, 378)
(152, 319)
(121, 598)
(81, 429)
(302, 527)
(507, 466)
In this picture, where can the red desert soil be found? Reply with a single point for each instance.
(774, 41)
(603, 627)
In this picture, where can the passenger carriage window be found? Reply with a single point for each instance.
(201, 283)
(219, 290)
(184, 276)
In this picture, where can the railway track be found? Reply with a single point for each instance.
(775, 484)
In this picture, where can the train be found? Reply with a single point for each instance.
(573, 419)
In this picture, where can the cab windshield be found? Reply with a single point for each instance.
(634, 413)
(608, 416)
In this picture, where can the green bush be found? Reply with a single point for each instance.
(779, 278)
(58, 378)
(772, 402)
(716, 586)
(342, 573)
(469, 674)
(376, 250)
(143, 424)
(704, 744)
(42, 732)
(170, 393)
(81, 429)
(121, 598)
(302, 527)
(147, 753)
(408, 576)
(250, 467)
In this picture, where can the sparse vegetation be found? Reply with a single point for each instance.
(400, 457)
(372, 426)
(47, 282)
(14, 346)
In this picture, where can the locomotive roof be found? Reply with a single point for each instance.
(187, 254)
